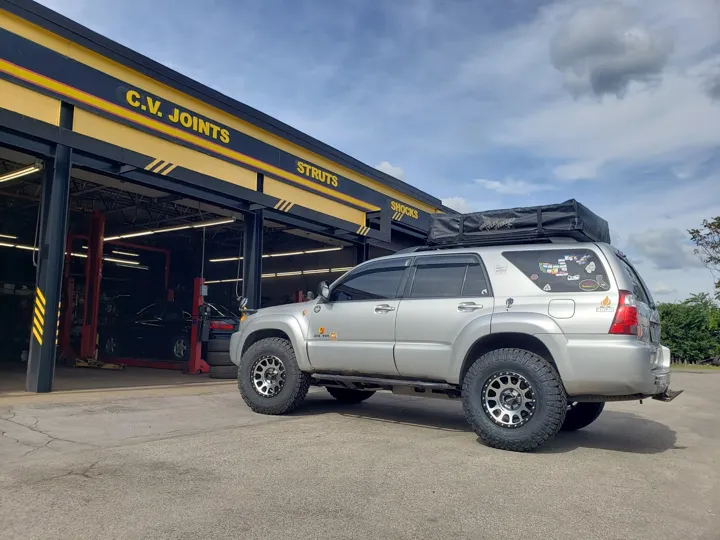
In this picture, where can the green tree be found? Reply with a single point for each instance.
(707, 242)
(691, 329)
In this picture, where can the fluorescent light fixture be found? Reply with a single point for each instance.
(172, 228)
(226, 259)
(341, 269)
(126, 253)
(120, 261)
(283, 274)
(288, 254)
(135, 266)
(21, 172)
(3, 244)
(317, 271)
(284, 254)
(321, 250)
(10, 236)
(28, 248)
(81, 255)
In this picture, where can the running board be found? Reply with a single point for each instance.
(381, 381)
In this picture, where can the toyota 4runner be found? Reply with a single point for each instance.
(531, 338)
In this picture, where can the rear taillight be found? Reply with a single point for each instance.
(626, 316)
(217, 325)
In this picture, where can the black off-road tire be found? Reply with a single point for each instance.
(550, 405)
(223, 372)
(581, 415)
(348, 396)
(293, 392)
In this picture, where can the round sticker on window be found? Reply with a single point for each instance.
(588, 285)
(534, 277)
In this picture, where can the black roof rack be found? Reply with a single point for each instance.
(568, 220)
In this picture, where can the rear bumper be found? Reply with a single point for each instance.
(616, 369)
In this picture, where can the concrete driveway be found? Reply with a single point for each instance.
(194, 463)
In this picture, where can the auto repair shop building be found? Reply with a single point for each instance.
(120, 178)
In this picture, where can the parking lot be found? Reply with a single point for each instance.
(193, 462)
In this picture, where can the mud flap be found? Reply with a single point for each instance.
(668, 395)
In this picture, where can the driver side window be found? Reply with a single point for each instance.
(375, 281)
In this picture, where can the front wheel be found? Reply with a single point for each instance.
(513, 399)
(269, 378)
(349, 396)
(580, 415)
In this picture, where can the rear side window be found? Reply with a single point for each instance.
(451, 276)
(638, 289)
(561, 270)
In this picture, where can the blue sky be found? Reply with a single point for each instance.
(483, 103)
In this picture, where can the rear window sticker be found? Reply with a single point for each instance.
(553, 269)
(588, 285)
(602, 283)
(534, 277)
(574, 278)
(547, 288)
(590, 268)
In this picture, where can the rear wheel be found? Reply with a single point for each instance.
(269, 378)
(580, 415)
(180, 348)
(349, 396)
(513, 399)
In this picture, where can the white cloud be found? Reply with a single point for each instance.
(663, 290)
(392, 170)
(601, 49)
(577, 170)
(459, 204)
(510, 186)
(668, 249)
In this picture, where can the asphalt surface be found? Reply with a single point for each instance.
(195, 463)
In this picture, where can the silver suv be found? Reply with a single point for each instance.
(531, 338)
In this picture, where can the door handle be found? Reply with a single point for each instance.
(468, 306)
(384, 308)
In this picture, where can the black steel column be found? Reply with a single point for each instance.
(51, 257)
(252, 258)
(361, 253)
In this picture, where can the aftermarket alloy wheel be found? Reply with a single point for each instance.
(513, 399)
(580, 415)
(269, 378)
(349, 396)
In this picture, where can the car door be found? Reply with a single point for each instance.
(143, 330)
(444, 295)
(355, 330)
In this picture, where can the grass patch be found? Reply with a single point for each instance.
(695, 367)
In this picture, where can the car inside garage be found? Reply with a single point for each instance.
(157, 249)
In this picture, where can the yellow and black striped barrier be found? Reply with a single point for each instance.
(160, 166)
(283, 205)
(39, 316)
(363, 230)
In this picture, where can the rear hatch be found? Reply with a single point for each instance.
(648, 316)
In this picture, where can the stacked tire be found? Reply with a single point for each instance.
(218, 358)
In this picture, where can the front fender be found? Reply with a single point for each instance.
(538, 325)
(287, 324)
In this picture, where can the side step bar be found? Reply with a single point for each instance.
(381, 381)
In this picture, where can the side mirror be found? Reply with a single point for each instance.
(324, 291)
(243, 303)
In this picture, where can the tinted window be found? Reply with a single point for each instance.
(379, 281)
(173, 313)
(151, 312)
(218, 310)
(638, 290)
(439, 277)
(476, 283)
(561, 270)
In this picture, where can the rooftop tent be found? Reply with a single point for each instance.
(568, 219)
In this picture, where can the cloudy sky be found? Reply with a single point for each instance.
(483, 103)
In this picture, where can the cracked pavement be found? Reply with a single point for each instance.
(196, 463)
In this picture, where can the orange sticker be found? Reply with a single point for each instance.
(333, 335)
(606, 302)
(321, 330)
